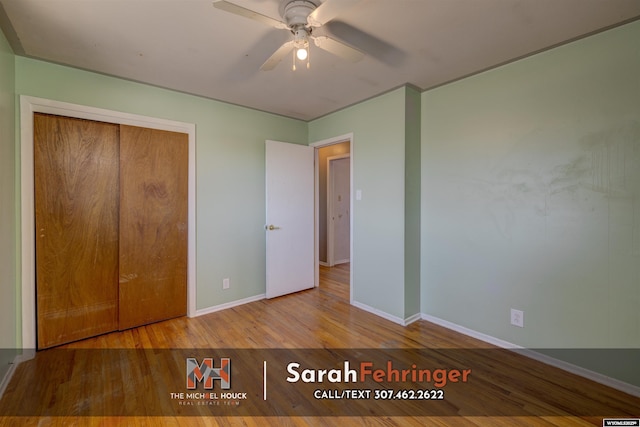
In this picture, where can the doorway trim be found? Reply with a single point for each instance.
(30, 105)
(330, 228)
(317, 145)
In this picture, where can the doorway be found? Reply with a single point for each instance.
(326, 151)
(338, 213)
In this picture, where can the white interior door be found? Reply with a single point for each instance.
(290, 218)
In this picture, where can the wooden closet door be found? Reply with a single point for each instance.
(153, 225)
(76, 220)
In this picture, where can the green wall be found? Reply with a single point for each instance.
(378, 127)
(386, 169)
(230, 166)
(531, 197)
(7, 208)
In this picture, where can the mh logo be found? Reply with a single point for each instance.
(207, 373)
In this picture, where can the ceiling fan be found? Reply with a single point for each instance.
(300, 17)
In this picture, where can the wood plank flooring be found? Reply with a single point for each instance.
(508, 389)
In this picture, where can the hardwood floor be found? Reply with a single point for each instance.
(131, 372)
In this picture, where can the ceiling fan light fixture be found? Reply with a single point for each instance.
(302, 53)
(301, 42)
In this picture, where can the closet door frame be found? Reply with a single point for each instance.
(30, 105)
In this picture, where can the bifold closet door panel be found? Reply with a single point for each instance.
(76, 218)
(153, 225)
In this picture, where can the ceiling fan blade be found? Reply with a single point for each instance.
(329, 10)
(277, 56)
(338, 48)
(247, 13)
(371, 45)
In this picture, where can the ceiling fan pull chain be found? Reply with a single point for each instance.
(294, 59)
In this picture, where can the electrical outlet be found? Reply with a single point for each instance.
(225, 283)
(517, 318)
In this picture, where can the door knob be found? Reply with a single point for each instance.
(272, 227)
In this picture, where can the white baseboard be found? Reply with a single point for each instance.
(231, 304)
(341, 261)
(583, 372)
(470, 332)
(557, 363)
(9, 374)
(409, 320)
(27, 354)
(380, 313)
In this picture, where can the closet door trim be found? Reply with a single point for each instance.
(30, 105)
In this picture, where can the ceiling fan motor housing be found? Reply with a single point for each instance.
(295, 12)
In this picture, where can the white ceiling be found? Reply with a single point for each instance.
(190, 46)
